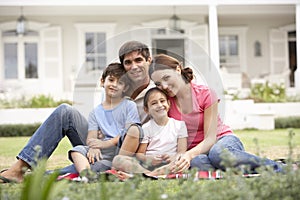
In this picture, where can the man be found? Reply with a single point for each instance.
(67, 121)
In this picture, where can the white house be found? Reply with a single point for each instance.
(66, 44)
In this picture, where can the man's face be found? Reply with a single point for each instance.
(137, 67)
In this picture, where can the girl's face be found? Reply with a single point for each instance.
(158, 105)
(168, 80)
(113, 86)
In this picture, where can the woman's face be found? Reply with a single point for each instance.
(168, 80)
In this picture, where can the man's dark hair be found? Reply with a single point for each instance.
(131, 46)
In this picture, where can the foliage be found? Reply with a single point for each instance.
(268, 92)
(287, 122)
(37, 185)
(11, 130)
(39, 101)
(269, 185)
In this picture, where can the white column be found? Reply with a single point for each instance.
(297, 73)
(213, 35)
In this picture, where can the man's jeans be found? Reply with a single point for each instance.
(64, 121)
(230, 147)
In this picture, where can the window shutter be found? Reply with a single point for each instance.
(197, 51)
(278, 51)
(51, 59)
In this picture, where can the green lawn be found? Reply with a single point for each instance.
(272, 144)
(268, 186)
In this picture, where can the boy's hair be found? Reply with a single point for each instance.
(149, 92)
(131, 46)
(116, 70)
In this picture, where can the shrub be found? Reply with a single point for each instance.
(39, 101)
(10, 130)
(268, 92)
(287, 122)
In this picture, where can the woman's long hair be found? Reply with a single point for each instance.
(163, 61)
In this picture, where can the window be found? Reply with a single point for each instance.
(94, 46)
(20, 56)
(228, 46)
(232, 49)
(171, 47)
(95, 50)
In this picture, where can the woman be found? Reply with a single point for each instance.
(209, 140)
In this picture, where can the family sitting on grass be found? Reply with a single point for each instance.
(181, 128)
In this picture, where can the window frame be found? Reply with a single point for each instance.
(82, 29)
(241, 59)
(20, 41)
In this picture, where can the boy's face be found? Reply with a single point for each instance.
(113, 86)
(158, 105)
(137, 67)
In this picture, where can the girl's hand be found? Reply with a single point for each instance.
(156, 160)
(181, 163)
(94, 154)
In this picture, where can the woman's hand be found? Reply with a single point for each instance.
(181, 163)
(92, 154)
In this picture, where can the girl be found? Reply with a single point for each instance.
(164, 139)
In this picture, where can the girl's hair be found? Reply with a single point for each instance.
(151, 91)
(115, 69)
(163, 61)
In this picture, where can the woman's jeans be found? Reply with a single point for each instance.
(229, 151)
(64, 121)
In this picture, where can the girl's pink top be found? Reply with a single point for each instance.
(203, 97)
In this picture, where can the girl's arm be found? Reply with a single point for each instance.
(181, 145)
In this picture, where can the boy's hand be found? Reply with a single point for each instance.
(94, 143)
(94, 154)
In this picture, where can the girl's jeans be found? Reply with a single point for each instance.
(230, 147)
(64, 121)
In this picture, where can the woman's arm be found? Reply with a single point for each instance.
(210, 132)
(210, 137)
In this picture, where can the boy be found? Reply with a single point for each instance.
(112, 117)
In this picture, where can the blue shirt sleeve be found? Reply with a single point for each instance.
(92, 121)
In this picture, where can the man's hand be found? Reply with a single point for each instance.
(94, 154)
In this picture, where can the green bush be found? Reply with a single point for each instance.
(11, 130)
(287, 122)
(268, 92)
(39, 101)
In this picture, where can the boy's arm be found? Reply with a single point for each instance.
(93, 141)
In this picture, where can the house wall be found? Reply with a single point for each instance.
(258, 30)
